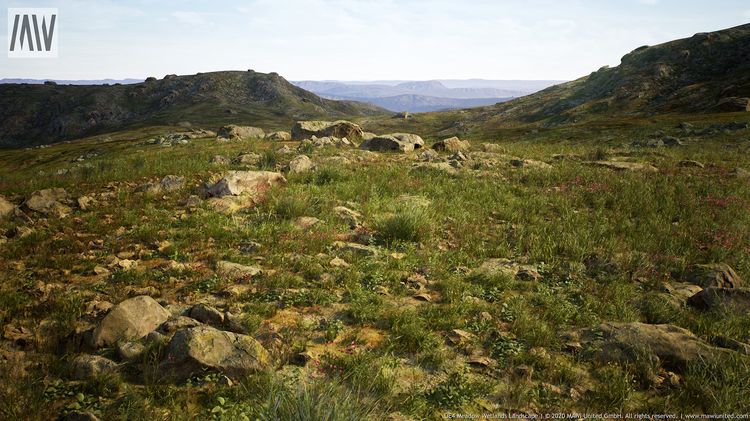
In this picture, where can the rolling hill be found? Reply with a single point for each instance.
(708, 72)
(42, 114)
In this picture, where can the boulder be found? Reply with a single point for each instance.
(718, 275)
(48, 202)
(452, 144)
(236, 271)
(130, 351)
(735, 299)
(203, 348)
(279, 136)
(351, 217)
(86, 366)
(234, 132)
(167, 184)
(398, 142)
(133, 318)
(7, 209)
(207, 314)
(673, 346)
(247, 159)
(340, 128)
(300, 164)
(176, 323)
(251, 183)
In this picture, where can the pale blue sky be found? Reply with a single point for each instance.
(361, 40)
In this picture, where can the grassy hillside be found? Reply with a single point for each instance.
(376, 336)
(43, 114)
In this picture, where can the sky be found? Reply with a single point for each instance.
(360, 39)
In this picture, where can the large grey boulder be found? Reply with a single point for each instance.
(132, 319)
(48, 202)
(341, 128)
(719, 275)
(234, 132)
(395, 142)
(252, 183)
(203, 348)
(673, 346)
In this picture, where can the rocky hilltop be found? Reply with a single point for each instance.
(708, 72)
(41, 114)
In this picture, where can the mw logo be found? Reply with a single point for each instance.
(31, 32)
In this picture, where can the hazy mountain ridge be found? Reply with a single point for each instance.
(422, 96)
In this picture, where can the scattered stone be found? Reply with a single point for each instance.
(340, 128)
(234, 132)
(529, 163)
(625, 166)
(130, 351)
(167, 184)
(87, 366)
(306, 222)
(84, 203)
(7, 209)
(355, 248)
(423, 297)
(48, 202)
(505, 267)
(493, 148)
(247, 159)
(300, 164)
(176, 323)
(192, 201)
(690, 163)
(207, 314)
(718, 275)
(131, 319)
(236, 271)
(452, 144)
(674, 346)
(339, 263)
(735, 299)
(279, 136)
(429, 155)
(219, 160)
(396, 142)
(351, 217)
(204, 348)
(252, 183)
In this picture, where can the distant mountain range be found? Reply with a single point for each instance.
(423, 96)
(73, 82)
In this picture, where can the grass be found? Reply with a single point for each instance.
(602, 241)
